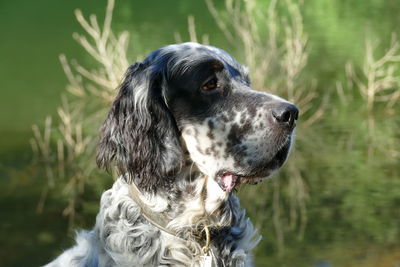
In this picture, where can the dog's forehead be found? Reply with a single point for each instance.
(194, 49)
(192, 52)
(191, 49)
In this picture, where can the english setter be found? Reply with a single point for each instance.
(185, 130)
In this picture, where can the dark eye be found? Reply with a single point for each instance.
(210, 85)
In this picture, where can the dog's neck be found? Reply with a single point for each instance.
(121, 222)
(194, 201)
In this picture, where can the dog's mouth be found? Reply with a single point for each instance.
(229, 180)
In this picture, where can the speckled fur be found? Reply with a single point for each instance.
(175, 141)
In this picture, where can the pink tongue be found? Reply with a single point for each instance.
(228, 181)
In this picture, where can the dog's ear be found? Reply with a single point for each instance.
(140, 135)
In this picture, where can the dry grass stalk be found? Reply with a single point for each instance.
(378, 82)
(71, 161)
(107, 49)
(205, 39)
(40, 144)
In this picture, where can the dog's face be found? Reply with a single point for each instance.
(233, 133)
(198, 98)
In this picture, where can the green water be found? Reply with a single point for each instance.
(34, 33)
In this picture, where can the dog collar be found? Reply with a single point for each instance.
(159, 219)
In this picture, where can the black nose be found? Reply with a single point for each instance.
(286, 114)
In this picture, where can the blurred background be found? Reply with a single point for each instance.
(335, 203)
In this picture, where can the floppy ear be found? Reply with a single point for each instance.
(140, 135)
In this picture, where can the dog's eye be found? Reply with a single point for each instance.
(210, 85)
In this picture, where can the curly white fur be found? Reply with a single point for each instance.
(122, 237)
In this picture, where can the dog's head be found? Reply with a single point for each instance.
(196, 98)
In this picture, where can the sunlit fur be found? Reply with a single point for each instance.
(173, 140)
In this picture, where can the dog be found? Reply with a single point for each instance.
(185, 130)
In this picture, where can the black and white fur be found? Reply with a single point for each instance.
(186, 128)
